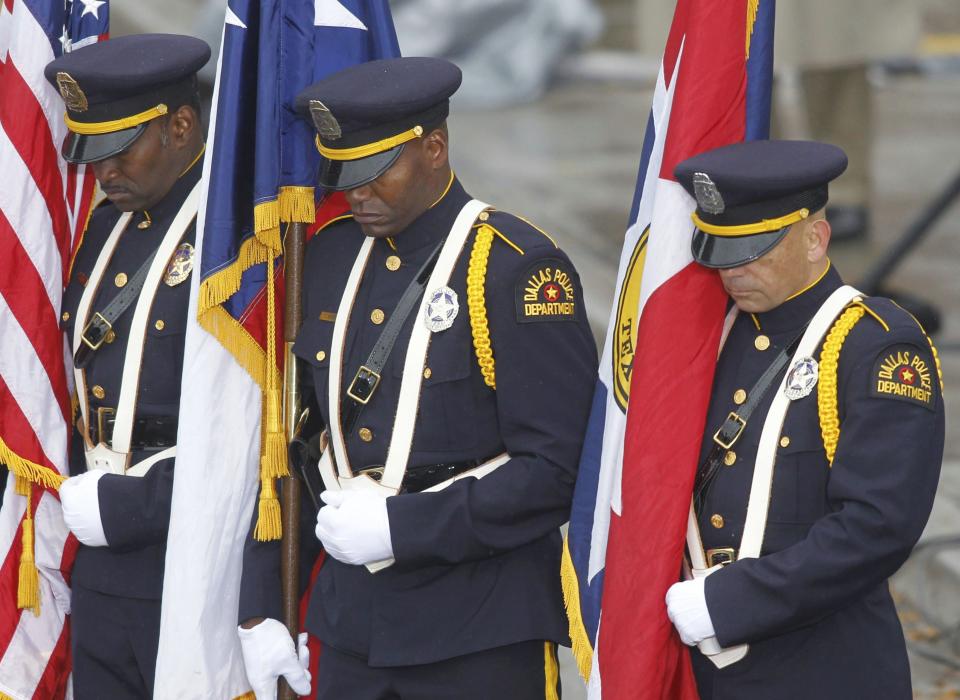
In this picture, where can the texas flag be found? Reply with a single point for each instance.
(259, 174)
(627, 526)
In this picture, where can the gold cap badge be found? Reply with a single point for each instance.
(324, 121)
(72, 94)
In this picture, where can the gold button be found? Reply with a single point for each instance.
(65, 316)
(98, 391)
(377, 316)
(159, 324)
(729, 458)
(739, 396)
(716, 520)
(110, 336)
(365, 434)
(761, 342)
(321, 356)
(484, 216)
(784, 441)
(121, 279)
(427, 372)
(144, 225)
(393, 263)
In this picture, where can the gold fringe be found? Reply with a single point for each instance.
(223, 284)
(753, 7)
(827, 383)
(266, 224)
(238, 342)
(28, 584)
(297, 204)
(582, 649)
(246, 696)
(268, 526)
(476, 277)
(29, 471)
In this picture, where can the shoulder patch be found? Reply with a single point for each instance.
(904, 373)
(545, 292)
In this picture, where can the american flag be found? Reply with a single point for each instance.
(628, 521)
(44, 205)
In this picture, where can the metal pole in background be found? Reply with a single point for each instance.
(290, 486)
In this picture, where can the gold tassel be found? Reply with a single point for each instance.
(273, 457)
(297, 204)
(21, 485)
(582, 649)
(268, 513)
(223, 284)
(28, 585)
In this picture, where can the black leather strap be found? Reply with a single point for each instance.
(149, 432)
(95, 332)
(367, 379)
(736, 421)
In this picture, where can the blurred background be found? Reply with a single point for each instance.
(549, 124)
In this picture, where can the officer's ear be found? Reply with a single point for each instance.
(435, 147)
(183, 125)
(817, 238)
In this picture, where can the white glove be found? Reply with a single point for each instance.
(268, 653)
(687, 610)
(80, 501)
(354, 527)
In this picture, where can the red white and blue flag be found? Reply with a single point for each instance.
(259, 173)
(44, 205)
(628, 522)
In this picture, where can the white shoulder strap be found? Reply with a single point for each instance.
(759, 503)
(126, 406)
(83, 310)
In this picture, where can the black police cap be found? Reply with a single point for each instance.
(113, 88)
(749, 194)
(365, 113)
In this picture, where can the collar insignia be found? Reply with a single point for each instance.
(323, 121)
(72, 95)
(708, 196)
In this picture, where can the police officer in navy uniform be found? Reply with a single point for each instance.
(856, 459)
(471, 606)
(133, 114)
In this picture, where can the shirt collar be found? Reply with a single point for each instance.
(433, 224)
(797, 311)
(173, 200)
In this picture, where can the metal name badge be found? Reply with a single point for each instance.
(801, 378)
(441, 309)
(707, 194)
(180, 265)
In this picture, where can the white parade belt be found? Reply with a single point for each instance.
(759, 501)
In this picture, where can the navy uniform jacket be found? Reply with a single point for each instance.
(815, 607)
(135, 510)
(477, 564)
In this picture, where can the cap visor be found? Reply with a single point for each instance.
(720, 252)
(347, 174)
(89, 148)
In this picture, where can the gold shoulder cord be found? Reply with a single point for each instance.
(827, 391)
(476, 275)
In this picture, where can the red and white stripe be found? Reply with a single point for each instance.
(44, 204)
